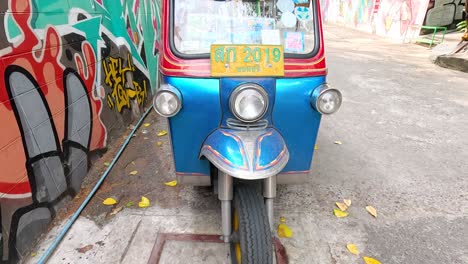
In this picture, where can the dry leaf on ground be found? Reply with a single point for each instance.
(109, 201)
(162, 133)
(338, 213)
(159, 143)
(343, 207)
(347, 202)
(107, 164)
(135, 172)
(130, 204)
(284, 231)
(369, 260)
(353, 249)
(85, 249)
(371, 211)
(146, 124)
(116, 210)
(282, 219)
(33, 254)
(316, 147)
(171, 183)
(145, 202)
(338, 142)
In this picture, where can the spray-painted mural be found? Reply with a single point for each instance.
(398, 19)
(444, 12)
(72, 73)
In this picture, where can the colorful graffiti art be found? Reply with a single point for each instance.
(398, 19)
(123, 90)
(68, 71)
(444, 12)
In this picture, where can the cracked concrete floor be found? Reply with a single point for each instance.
(403, 125)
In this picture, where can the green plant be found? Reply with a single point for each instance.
(462, 26)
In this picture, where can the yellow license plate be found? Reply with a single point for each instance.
(247, 60)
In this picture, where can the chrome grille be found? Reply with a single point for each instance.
(239, 125)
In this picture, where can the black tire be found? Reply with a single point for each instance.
(254, 234)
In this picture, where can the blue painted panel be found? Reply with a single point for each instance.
(228, 147)
(228, 85)
(200, 115)
(269, 147)
(296, 120)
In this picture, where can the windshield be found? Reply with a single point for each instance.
(199, 24)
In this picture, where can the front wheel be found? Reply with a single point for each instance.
(251, 228)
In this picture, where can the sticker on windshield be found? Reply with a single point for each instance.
(294, 42)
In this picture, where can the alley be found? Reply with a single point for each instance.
(403, 127)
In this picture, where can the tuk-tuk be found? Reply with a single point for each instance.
(243, 85)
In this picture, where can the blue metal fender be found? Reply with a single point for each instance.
(249, 155)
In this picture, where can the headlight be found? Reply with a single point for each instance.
(326, 99)
(248, 102)
(167, 101)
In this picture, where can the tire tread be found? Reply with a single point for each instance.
(254, 229)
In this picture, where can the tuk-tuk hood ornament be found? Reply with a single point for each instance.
(256, 154)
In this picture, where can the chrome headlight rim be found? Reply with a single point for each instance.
(166, 88)
(241, 88)
(319, 92)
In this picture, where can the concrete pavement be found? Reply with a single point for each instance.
(404, 127)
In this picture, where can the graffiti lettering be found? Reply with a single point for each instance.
(116, 77)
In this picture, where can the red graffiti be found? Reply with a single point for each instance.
(41, 59)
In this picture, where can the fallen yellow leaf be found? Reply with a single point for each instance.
(171, 183)
(145, 202)
(107, 164)
(282, 219)
(146, 124)
(370, 260)
(338, 213)
(133, 173)
(343, 207)
(159, 143)
(162, 133)
(347, 202)
(284, 231)
(33, 254)
(371, 211)
(109, 201)
(316, 147)
(353, 249)
(338, 142)
(130, 204)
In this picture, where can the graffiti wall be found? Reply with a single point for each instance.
(444, 12)
(73, 75)
(397, 19)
